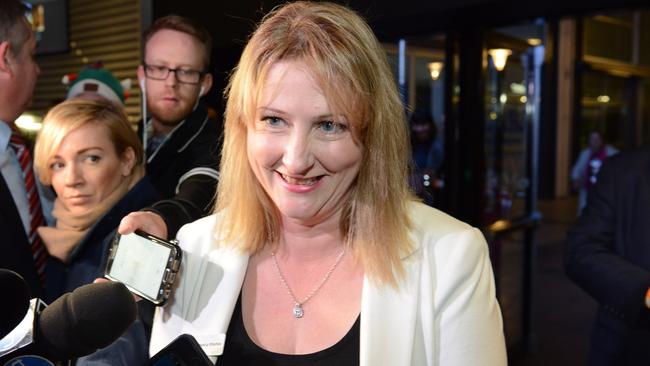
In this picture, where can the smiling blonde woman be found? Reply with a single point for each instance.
(318, 253)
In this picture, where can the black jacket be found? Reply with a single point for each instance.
(185, 170)
(14, 244)
(88, 262)
(608, 255)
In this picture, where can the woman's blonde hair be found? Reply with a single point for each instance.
(74, 113)
(350, 67)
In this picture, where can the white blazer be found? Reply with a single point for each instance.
(445, 312)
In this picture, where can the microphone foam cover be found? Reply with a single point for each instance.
(91, 317)
(14, 305)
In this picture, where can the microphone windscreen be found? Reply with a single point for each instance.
(15, 303)
(78, 323)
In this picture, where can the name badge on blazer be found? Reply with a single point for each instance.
(212, 344)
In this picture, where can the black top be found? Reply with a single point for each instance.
(240, 350)
(184, 170)
(15, 246)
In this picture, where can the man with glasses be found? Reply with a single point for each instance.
(181, 141)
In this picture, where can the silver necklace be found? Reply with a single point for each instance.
(298, 311)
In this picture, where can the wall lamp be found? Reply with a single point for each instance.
(499, 57)
(435, 68)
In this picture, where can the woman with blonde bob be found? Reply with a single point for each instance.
(92, 158)
(317, 252)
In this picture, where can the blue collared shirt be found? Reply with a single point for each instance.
(13, 176)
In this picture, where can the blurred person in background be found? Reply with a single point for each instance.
(585, 171)
(427, 155)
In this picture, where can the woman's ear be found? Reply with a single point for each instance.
(128, 161)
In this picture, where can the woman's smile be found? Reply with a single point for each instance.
(300, 181)
(303, 154)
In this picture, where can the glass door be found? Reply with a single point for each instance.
(419, 68)
(512, 95)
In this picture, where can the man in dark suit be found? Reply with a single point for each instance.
(609, 257)
(19, 246)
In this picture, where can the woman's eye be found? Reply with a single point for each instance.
(93, 158)
(332, 127)
(273, 121)
(56, 166)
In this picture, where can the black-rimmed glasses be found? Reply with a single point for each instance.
(187, 76)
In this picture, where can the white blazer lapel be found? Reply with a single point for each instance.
(388, 320)
(218, 282)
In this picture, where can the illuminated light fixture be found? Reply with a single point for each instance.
(534, 41)
(603, 99)
(499, 225)
(493, 116)
(503, 98)
(435, 68)
(29, 122)
(517, 88)
(499, 57)
(523, 99)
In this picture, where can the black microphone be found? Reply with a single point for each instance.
(81, 322)
(13, 307)
(184, 350)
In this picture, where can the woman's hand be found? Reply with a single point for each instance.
(146, 221)
(101, 279)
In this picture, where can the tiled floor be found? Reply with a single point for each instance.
(562, 313)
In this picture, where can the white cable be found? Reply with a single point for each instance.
(145, 125)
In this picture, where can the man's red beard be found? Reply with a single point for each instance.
(170, 116)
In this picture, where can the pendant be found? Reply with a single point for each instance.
(297, 311)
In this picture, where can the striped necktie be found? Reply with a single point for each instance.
(37, 248)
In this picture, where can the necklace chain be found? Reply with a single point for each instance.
(298, 311)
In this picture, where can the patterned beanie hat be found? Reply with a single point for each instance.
(97, 80)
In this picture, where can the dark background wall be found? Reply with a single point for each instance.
(230, 22)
